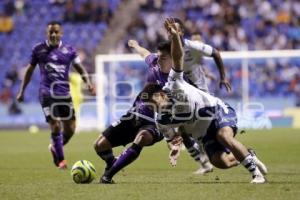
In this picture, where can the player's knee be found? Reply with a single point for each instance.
(69, 128)
(225, 136)
(102, 144)
(143, 138)
(55, 126)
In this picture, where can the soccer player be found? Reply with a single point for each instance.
(54, 59)
(194, 51)
(137, 126)
(180, 104)
(154, 61)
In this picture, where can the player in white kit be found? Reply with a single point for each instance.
(181, 104)
(194, 51)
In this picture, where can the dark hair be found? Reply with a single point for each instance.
(148, 91)
(164, 46)
(54, 23)
(177, 20)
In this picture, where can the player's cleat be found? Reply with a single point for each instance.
(206, 168)
(106, 180)
(261, 166)
(53, 153)
(63, 165)
(258, 179)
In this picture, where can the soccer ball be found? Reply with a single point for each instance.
(83, 171)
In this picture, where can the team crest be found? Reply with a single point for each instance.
(64, 50)
(54, 57)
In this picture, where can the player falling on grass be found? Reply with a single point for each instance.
(54, 59)
(194, 51)
(154, 61)
(137, 126)
(181, 104)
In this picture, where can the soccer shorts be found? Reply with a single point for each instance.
(57, 109)
(126, 129)
(221, 120)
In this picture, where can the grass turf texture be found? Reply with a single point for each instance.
(27, 172)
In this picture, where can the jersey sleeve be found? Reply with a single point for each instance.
(33, 57)
(151, 59)
(205, 49)
(75, 57)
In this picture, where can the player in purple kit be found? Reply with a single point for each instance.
(54, 59)
(137, 126)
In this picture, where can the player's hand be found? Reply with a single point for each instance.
(92, 89)
(175, 148)
(132, 43)
(226, 84)
(171, 27)
(20, 96)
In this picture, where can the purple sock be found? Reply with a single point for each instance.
(57, 142)
(127, 157)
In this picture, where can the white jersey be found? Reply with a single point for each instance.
(192, 108)
(193, 53)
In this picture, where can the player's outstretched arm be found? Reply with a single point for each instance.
(209, 51)
(219, 62)
(176, 44)
(139, 49)
(85, 77)
(27, 77)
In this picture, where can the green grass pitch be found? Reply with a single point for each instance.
(27, 172)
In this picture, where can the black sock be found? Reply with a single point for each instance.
(108, 157)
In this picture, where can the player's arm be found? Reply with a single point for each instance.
(176, 45)
(27, 78)
(219, 62)
(85, 77)
(139, 49)
(209, 51)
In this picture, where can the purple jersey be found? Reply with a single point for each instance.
(154, 75)
(54, 64)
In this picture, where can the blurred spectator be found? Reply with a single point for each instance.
(6, 24)
(9, 7)
(5, 95)
(57, 2)
(11, 77)
(228, 24)
(88, 11)
(20, 6)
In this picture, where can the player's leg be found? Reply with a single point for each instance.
(142, 139)
(69, 127)
(56, 145)
(225, 136)
(146, 136)
(197, 153)
(224, 160)
(219, 156)
(66, 112)
(104, 150)
(119, 133)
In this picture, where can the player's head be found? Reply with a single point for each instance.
(54, 33)
(164, 54)
(196, 37)
(153, 93)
